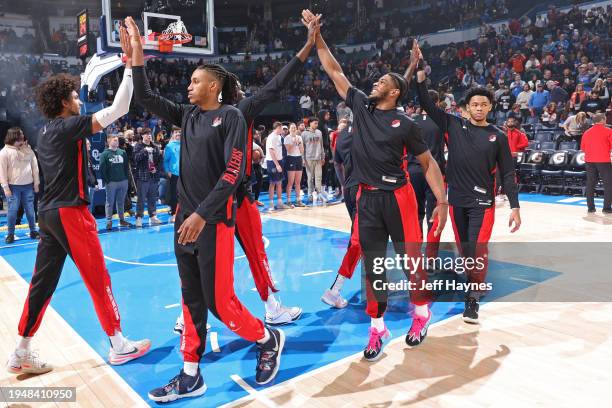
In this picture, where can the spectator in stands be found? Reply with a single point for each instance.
(558, 95)
(597, 146)
(539, 99)
(523, 101)
(114, 168)
(593, 104)
(314, 158)
(603, 91)
(518, 140)
(92, 180)
(577, 98)
(306, 105)
(504, 102)
(274, 158)
(147, 157)
(294, 164)
(549, 116)
(172, 157)
(575, 125)
(19, 179)
(343, 111)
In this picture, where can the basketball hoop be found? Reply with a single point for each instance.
(175, 34)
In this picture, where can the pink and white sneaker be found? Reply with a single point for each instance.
(132, 349)
(418, 330)
(334, 299)
(375, 343)
(27, 362)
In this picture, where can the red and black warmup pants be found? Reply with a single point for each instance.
(427, 202)
(69, 231)
(473, 227)
(382, 214)
(249, 233)
(206, 268)
(353, 250)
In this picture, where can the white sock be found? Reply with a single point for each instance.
(265, 338)
(421, 310)
(191, 369)
(337, 286)
(378, 323)
(118, 341)
(24, 343)
(271, 303)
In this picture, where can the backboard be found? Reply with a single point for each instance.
(154, 17)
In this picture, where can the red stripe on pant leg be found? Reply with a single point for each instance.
(80, 168)
(85, 250)
(353, 252)
(190, 341)
(248, 225)
(478, 275)
(409, 212)
(25, 315)
(233, 314)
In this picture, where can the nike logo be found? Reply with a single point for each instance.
(189, 389)
(129, 352)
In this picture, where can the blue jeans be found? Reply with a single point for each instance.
(21, 195)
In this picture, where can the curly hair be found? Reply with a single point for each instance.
(51, 93)
(477, 91)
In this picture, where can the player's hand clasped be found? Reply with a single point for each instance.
(190, 229)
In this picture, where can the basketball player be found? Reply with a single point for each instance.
(66, 225)
(386, 205)
(475, 149)
(212, 166)
(425, 197)
(248, 220)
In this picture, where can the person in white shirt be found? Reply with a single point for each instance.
(306, 105)
(293, 163)
(274, 156)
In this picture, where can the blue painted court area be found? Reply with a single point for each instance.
(559, 199)
(304, 261)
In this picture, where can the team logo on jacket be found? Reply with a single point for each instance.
(492, 138)
(396, 123)
(217, 121)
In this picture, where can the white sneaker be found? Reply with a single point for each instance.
(154, 220)
(282, 315)
(139, 222)
(334, 300)
(179, 326)
(132, 349)
(28, 362)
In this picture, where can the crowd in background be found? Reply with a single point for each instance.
(551, 72)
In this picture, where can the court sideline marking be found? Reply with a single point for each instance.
(258, 395)
(70, 332)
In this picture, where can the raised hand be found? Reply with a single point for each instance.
(133, 31)
(314, 28)
(126, 46)
(415, 54)
(135, 44)
(308, 17)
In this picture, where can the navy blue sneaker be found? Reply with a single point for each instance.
(181, 386)
(269, 356)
